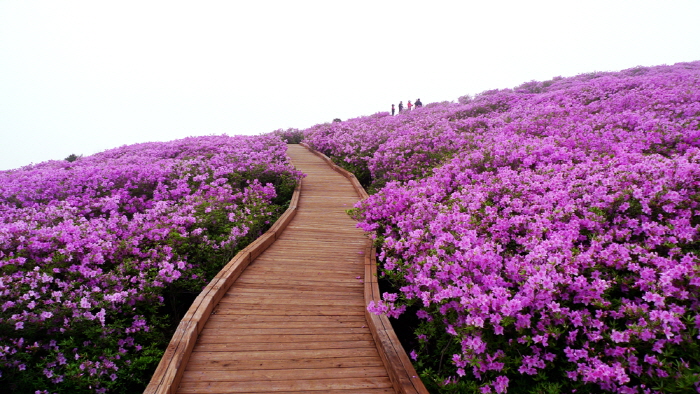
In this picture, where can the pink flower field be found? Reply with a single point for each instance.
(541, 239)
(96, 254)
(546, 237)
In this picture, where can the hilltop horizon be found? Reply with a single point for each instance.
(82, 76)
(330, 118)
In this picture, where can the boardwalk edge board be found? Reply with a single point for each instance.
(167, 376)
(401, 371)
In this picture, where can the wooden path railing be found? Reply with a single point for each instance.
(288, 313)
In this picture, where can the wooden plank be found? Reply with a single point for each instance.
(206, 337)
(303, 239)
(338, 248)
(246, 299)
(321, 237)
(278, 312)
(301, 287)
(233, 272)
(244, 319)
(305, 269)
(286, 218)
(312, 261)
(259, 245)
(271, 295)
(182, 357)
(331, 223)
(285, 294)
(401, 372)
(328, 362)
(329, 228)
(266, 309)
(346, 278)
(303, 248)
(310, 331)
(286, 355)
(175, 361)
(282, 306)
(328, 391)
(317, 259)
(283, 374)
(259, 291)
(156, 385)
(251, 279)
(302, 254)
(289, 385)
(343, 279)
(203, 311)
(296, 345)
(262, 287)
(409, 377)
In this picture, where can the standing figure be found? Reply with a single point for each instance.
(400, 106)
(418, 103)
(409, 105)
(392, 109)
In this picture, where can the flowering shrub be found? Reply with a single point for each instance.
(290, 136)
(546, 236)
(90, 251)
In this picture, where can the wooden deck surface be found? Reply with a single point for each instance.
(294, 321)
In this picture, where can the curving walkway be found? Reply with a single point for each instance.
(294, 320)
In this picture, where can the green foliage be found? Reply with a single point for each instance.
(72, 157)
(208, 261)
(96, 347)
(290, 136)
(361, 172)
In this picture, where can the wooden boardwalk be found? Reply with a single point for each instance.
(294, 321)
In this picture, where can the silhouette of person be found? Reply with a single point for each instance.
(392, 109)
(418, 103)
(400, 106)
(409, 105)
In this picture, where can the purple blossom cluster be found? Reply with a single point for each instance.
(88, 248)
(551, 230)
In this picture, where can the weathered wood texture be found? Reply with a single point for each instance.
(399, 367)
(293, 318)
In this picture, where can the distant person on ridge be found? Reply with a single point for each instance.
(409, 105)
(418, 103)
(400, 106)
(392, 109)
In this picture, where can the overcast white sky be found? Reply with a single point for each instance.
(84, 76)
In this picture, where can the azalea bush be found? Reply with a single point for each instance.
(290, 136)
(545, 237)
(94, 252)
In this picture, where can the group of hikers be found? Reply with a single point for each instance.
(409, 106)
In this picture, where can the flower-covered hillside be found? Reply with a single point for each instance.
(547, 236)
(92, 250)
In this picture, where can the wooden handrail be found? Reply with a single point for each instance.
(168, 374)
(401, 371)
